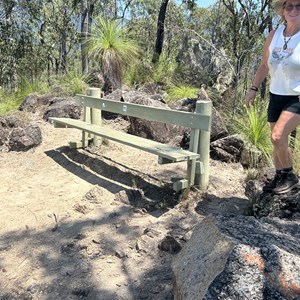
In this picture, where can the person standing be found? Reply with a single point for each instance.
(281, 60)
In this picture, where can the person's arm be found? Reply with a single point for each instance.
(261, 72)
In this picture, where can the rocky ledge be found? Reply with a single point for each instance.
(244, 257)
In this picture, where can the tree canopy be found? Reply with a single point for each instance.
(40, 39)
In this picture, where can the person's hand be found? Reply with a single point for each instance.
(249, 100)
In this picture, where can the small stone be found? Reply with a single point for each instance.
(120, 254)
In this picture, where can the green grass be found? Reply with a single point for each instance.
(10, 101)
(295, 144)
(252, 125)
(180, 92)
(70, 84)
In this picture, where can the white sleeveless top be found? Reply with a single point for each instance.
(284, 65)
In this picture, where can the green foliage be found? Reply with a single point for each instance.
(144, 71)
(252, 125)
(109, 46)
(74, 82)
(163, 70)
(295, 146)
(10, 101)
(179, 92)
(7, 103)
(138, 73)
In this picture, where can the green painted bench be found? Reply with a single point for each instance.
(197, 157)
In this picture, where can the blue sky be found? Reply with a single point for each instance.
(205, 3)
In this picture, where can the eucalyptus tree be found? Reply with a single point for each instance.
(109, 46)
(160, 30)
(248, 21)
(190, 4)
(59, 19)
(36, 36)
(86, 19)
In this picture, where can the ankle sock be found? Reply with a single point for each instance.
(287, 170)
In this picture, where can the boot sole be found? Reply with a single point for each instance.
(287, 189)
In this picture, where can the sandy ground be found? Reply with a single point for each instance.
(65, 235)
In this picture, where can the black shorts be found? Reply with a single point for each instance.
(279, 103)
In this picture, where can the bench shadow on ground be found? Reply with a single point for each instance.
(71, 263)
(143, 190)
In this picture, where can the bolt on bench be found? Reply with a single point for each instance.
(197, 157)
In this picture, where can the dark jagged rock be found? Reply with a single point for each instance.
(169, 244)
(34, 102)
(18, 135)
(24, 138)
(156, 131)
(45, 106)
(228, 149)
(281, 206)
(64, 108)
(286, 205)
(218, 127)
(3, 136)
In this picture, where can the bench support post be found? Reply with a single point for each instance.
(191, 166)
(94, 117)
(202, 175)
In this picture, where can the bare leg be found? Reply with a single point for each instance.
(276, 161)
(280, 131)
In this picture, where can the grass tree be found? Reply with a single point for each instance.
(109, 46)
(252, 124)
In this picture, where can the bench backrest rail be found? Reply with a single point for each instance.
(192, 120)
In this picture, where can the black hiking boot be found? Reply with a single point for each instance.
(269, 187)
(287, 182)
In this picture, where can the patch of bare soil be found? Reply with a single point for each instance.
(88, 224)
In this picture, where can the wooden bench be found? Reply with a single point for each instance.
(197, 157)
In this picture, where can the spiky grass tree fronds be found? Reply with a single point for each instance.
(109, 45)
(252, 125)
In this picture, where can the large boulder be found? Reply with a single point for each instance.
(218, 127)
(35, 103)
(17, 134)
(25, 138)
(64, 108)
(157, 131)
(45, 106)
(201, 63)
(239, 257)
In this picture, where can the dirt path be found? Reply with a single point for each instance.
(78, 224)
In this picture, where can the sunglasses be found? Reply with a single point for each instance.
(290, 7)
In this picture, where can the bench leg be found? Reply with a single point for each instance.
(86, 118)
(191, 165)
(95, 114)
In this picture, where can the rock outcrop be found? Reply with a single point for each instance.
(239, 257)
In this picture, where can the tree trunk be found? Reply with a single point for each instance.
(160, 31)
(83, 30)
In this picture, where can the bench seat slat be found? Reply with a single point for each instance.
(172, 153)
